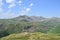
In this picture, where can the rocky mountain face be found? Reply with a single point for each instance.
(30, 18)
(36, 19)
(33, 19)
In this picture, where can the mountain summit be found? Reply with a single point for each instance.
(30, 18)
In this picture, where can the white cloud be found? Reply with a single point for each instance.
(31, 4)
(10, 1)
(25, 11)
(20, 2)
(11, 5)
(1, 3)
(1, 10)
(8, 15)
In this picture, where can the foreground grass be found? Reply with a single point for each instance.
(31, 36)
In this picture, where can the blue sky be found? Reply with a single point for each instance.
(14, 8)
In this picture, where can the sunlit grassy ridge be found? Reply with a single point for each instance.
(31, 36)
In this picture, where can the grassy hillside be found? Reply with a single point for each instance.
(56, 30)
(31, 36)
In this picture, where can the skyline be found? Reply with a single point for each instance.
(14, 8)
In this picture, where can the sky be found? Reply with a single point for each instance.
(14, 8)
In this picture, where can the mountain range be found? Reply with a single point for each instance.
(35, 19)
(29, 24)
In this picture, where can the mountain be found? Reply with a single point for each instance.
(36, 19)
(54, 19)
(29, 24)
(30, 18)
(26, 18)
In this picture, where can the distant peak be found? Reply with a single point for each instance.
(23, 16)
(55, 18)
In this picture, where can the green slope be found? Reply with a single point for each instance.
(31, 36)
(56, 30)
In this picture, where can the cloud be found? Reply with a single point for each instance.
(8, 15)
(1, 10)
(19, 2)
(10, 1)
(25, 11)
(31, 4)
(11, 5)
(1, 3)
